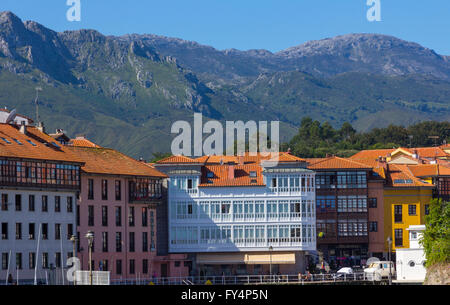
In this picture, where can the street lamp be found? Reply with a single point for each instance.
(73, 239)
(270, 266)
(389, 240)
(90, 238)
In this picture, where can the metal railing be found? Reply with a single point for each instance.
(251, 279)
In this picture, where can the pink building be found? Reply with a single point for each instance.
(118, 203)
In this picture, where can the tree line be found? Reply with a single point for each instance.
(317, 140)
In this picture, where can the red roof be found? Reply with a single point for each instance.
(336, 163)
(231, 175)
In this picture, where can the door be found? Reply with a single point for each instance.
(163, 270)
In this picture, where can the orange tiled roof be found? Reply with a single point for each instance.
(429, 170)
(44, 148)
(372, 154)
(401, 176)
(241, 175)
(376, 166)
(112, 162)
(337, 163)
(83, 142)
(430, 152)
(177, 160)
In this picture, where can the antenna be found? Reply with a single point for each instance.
(37, 103)
(11, 116)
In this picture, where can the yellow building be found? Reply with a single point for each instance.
(406, 198)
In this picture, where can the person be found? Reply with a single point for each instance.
(299, 276)
(10, 279)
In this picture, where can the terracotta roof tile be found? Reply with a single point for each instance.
(220, 175)
(401, 176)
(32, 145)
(113, 162)
(83, 142)
(337, 163)
(177, 160)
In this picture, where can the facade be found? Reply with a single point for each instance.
(39, 185)
(348, 201)
(412, 178)
(410, 262)
(118, 203)
(238, 215)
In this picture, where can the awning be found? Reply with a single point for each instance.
(221, 259)
(246, 258)
(275, 258)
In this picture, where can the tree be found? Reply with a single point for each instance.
(436, 237)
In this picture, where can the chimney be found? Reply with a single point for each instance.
(40, 127)
(230, 172)
(23, 127)
(241, 160)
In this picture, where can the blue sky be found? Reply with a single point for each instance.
(248, 24)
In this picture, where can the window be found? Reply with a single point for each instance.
(31, 260)
(397, 213)
(132, 266)
(131, 237)
(69, 230)
(104, 189)
(189, 184)
(145, 266)
(57, 231)
(118, 190)
(119, 267)
(118, 241)
(118, 216)
(44, 203)
(90, 215)
(105, 216)
(5, 258)
(19, 261)
(18, 202)
(131, 217)
(31, 202)
(4, 202)
(144, 217)
(45, 231)
(90, 189)
(18, 231)
(103, 265)
(44, 260)
(372, 202)
(4, 230)
(57, 204)
(58, 258)
(373, 226)
(253, 174)
(398, 237)
(274, 182)
(412, 209)
(413, 235)
(177, 264)
(144, 241)
(31, 231)
(69, 204)
(105, 241)
(78, 215)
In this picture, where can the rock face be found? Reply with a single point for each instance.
(438, 274)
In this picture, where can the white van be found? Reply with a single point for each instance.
(379, 270)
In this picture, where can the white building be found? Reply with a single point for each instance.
(241, 214)
(410, 261)
(18, 118)
(39, 184)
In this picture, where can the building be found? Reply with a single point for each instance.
(349, 211)
(410, 262)
(39, 186)
(18, 119)
(241, 215)
(118, 202)
(411, 179)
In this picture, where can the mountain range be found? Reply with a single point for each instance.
(126, 91)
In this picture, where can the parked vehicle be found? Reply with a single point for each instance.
(342, 273)
(379, 270)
